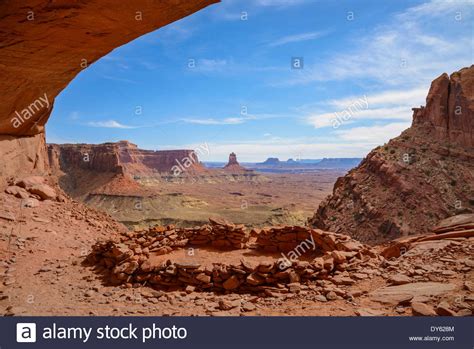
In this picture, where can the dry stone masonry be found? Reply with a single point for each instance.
(129, 259)
(285, 239)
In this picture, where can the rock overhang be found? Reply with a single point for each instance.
(45, 44)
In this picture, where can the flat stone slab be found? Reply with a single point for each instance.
(370, 312)
(420, 248)
(396, 294)
(454, 221)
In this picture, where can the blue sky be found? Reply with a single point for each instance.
(225, 76)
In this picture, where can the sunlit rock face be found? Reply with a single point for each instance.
(46, 43)
(449, 108)
(424, 175)
(121, 157)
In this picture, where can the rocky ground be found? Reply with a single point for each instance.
(44, 249)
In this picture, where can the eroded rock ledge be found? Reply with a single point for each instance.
(122, 157)
(426, 174)
(45, 44)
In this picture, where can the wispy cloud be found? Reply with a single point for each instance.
(390, 97)
(406, 50)
(110, 124)
(374, 135)
(212, 121)
(298, 38)
(234, 120)
(383, 106)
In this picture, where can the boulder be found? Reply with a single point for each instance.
(422, 309)
(30, 181)
(30, 203)
(203, 278)
(399, 279)
(44, 191)
(17, 191)
(255, 279)
(396, 294)
(231, 283)
(444, 309)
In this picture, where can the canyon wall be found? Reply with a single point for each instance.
(409, 184)
(45, 44)
(22, 155)
(449, 110)
(121, 158)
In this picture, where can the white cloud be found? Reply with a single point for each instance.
(390, 97)
(411, 49)
(298, 38)
(400, 112)
(212, 121)
(375, 135)
(233, 120)
(109, 124)
(386, 105)
(434, 8)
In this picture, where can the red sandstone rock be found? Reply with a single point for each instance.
(449, 108)
(17, 191)
(44, 191)
(34, 65)
(458, 222)
(231, 283)
(404, 187)
(30, 181)
(124, 158)
(422, 309)
(234, 166)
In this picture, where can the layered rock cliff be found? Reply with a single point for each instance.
(45, 44)
(448, 114)
(122, 158)
(424, 175)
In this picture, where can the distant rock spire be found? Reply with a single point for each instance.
(232, 160)
(233, 165)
